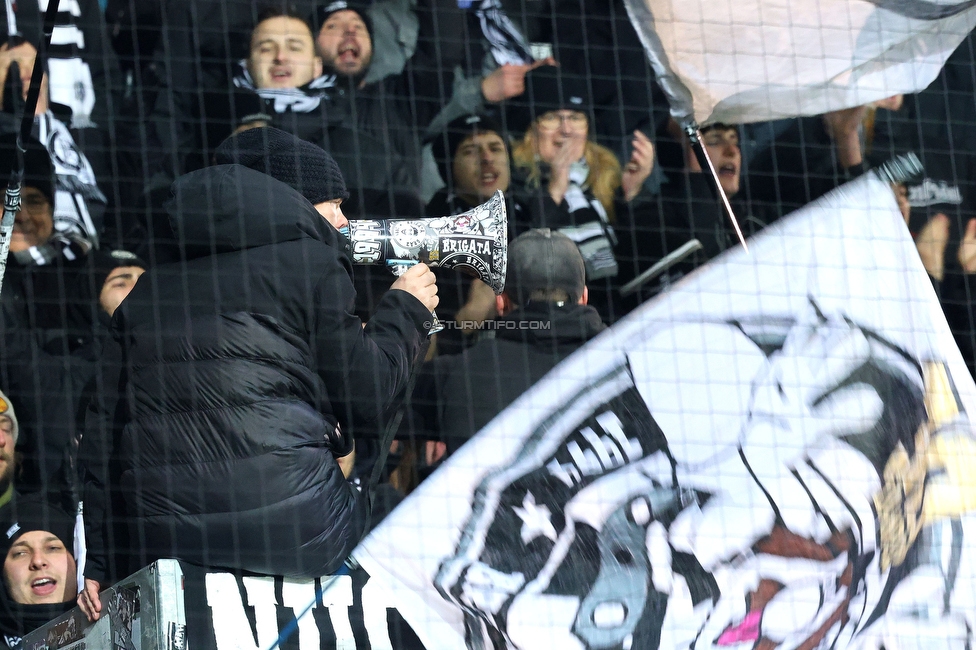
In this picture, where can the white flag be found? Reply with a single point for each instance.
(779, 452)
(738, 61)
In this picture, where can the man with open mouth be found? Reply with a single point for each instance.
(39, 570)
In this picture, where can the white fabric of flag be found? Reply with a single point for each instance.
(739, 61)
(778, 452)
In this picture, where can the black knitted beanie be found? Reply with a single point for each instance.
(300, 164)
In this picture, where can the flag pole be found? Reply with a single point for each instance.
(11, 200)
(695, 137)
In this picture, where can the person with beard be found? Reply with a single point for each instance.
(370, 128)
(366, 127)
(9, 430)
(39, 571)
(473, 158)
(543, 317)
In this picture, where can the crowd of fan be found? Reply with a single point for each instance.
(429, 107)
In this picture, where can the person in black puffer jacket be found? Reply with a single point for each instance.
(240, 366)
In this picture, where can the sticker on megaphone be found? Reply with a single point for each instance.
(475, 241)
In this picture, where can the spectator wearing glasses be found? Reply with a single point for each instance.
(568, 182)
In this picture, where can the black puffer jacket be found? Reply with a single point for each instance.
(238, 362)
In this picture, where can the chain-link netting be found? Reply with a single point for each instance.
(522, 266)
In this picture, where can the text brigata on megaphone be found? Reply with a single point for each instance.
(475, 241)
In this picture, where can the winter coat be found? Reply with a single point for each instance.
(370, 131)
(237, 364)
(457, 395)
(687, 209)
(47, 308)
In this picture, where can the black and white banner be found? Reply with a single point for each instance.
(739, 61)
(775, 454)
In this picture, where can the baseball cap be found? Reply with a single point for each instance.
(543, 259)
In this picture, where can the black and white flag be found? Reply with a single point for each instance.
(776, 453)
(738, 61)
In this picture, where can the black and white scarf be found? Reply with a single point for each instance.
(506, 41)
(594, 237)
(78, 203)
(69, 74)
(58, 246)
(284, 100)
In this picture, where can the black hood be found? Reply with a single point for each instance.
(229, 208)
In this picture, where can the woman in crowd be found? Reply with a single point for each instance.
(570, 183)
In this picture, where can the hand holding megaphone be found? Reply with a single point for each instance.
(475, 242)
(420, 282)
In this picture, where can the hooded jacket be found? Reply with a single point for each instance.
(237, 364)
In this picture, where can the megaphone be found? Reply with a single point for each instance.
(475, 242)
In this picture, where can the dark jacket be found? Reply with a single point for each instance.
(371, 133)
(687, 209)
(458, 395)
(47, 313)
(238, 363)
(587, 223)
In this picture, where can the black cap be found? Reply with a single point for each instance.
(38, 170)
(445, 145)
(36, 513)
(300, 164)
(548, 88)
(105, 261)
(544, 259)
(322, 14)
